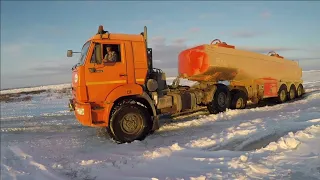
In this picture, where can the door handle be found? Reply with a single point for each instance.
(122, 74)
(94, 70)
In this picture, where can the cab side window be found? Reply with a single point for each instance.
(96, 54)
(111, 52)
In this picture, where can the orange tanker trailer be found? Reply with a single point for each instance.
(258, 76)
(129, 101)
(221, 61)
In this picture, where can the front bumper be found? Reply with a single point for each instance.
(82, 111)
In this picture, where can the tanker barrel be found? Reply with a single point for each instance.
(219, 61)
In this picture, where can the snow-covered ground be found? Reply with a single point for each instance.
(41, 140)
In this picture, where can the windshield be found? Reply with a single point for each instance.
(84, 53)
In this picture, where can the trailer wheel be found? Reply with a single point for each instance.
(238, 100)
(300, 90)
(292, 92)
(221, 100)
(129, 122)
(282, 94)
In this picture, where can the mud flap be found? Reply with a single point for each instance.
(155, 123)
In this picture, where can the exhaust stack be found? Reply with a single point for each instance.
(145, 35)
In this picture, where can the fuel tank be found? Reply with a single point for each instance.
(219, 61)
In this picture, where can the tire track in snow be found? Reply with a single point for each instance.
(167, 153)
(24, 161)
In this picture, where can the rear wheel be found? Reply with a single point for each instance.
(292, 92)
(128, 123)
(300, 90)
(221, 100)
(282, 94)
(238, 100)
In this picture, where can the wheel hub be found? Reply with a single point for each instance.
(291, 94)
(130, 123)
(282, 95)
(299, 91)
(221, 99)
(239, 103)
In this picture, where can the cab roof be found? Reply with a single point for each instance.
(118, 36)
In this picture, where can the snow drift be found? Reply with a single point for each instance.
(41, 139)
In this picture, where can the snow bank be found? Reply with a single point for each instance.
(41, 140)
(38, 88)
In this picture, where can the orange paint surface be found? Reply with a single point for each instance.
(270, 89)
(94, 92)
(193, 61)
(86, 118)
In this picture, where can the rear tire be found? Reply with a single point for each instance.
(238, 100)
(128, 123)
(299, 90)
(221, 100)
(292, 92)
(282, 94)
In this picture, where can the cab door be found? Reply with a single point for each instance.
(102, 78)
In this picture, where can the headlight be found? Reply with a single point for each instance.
(80, 111)
(76, 78)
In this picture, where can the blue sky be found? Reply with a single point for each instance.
(36, 35)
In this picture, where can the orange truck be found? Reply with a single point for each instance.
(127, 95)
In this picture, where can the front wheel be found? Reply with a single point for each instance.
(128, 123)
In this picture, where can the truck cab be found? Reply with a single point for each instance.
(98, 86)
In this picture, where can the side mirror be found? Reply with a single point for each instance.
(69, 53)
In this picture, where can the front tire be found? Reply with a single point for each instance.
(221, 100)
(128, 123)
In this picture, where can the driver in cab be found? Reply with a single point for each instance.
(110, 56)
